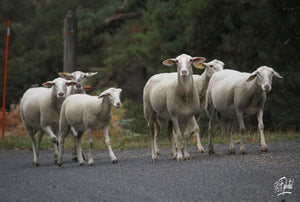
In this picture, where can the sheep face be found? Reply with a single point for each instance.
(113, 95)
(184, 64)
(264, 76)
(79, 77)
(59, 86)
(211, 67)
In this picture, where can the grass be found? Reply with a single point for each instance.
(129, 140)
(121, 134)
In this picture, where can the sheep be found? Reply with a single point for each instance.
(87, 113)
(79, 77)
(232, 94)
(201, 82)
(174, 99)
(40, 109)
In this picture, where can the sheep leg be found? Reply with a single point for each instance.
(263, 145)
(52, 135)
(152, 134)
(156, 134)
(231, 145)
(79, 149)
(61, 142)
(54, 141)
(33, 144)
(40, 136)
(171, 138)
(222, 125)
(177, 136)
(196, 128)
(107, 141)
(187, 136)
(74, 154)
(210, 131)
(90, 155)
(242, 131)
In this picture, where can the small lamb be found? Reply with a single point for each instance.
(87, 113)
(232, 94)
(40, 109)
(173, 99)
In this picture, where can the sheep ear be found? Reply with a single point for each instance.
(120, 90)
(71, 83)
(48, 84)
(103, 94)
(198, 59)
(199, 65)
(169, 62)
(276, 74)
(251, 77)
(90, 74)
(65, 75)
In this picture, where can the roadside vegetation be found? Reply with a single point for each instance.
(128, 131)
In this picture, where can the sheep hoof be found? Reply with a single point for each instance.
(115, 161)
(264, 149)
(179, 158)
(231, 151)
(36, 164)
(81, 164)
(154, 160)
(59, 164)
(211, 152)
(187, 158)
(75, 159)
(201, 151)
(242, 152)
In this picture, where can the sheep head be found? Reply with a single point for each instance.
(264, 76)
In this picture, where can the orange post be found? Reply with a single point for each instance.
(5, 78)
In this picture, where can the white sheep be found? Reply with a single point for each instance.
(201, 82)
(79, 77)
(174, 100)
(232, 94)
(87, 113)
(40, 110)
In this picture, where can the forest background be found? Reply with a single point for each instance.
(127, 40)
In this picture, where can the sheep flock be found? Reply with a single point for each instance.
(180, 98)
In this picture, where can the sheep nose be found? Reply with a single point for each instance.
(184, 72)
(78, 86)
(61, 94)
(267, 87)
(118, 104)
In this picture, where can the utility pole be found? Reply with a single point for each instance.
(70, 41)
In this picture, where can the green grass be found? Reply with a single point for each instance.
(128, 140)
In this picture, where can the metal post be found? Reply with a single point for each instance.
(5, 78)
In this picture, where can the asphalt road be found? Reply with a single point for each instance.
(219, 177)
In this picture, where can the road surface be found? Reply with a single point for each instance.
(219, 177)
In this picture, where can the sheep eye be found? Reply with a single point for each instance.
(210, 66)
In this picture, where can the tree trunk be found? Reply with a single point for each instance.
(70, 41)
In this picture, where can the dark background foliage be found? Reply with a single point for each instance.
(245, 34)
